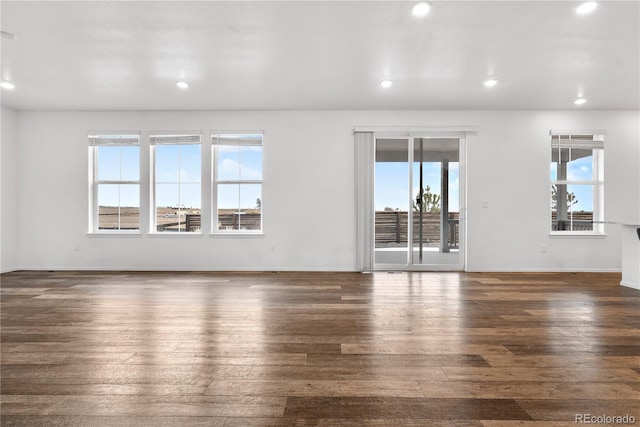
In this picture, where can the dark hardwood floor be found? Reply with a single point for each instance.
(309, 349)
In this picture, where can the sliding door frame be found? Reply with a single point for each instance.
(462, 161)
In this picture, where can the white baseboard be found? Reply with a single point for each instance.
(203, 269)
(630, 285)
(542, 270)
(7, 270)
(304, 269)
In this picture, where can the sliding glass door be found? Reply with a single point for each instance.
(391, 175)
(417, 193)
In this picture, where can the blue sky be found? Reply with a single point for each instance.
(578, 170)
(239, 163)
(391, 184)
(178, 175)
(110, 159)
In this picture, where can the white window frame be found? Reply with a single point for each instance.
(215, 143)
(583, 140)
(110, 138)
(170, 138)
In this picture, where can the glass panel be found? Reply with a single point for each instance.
(391, 200)
(167, 207)
(178, 187)
(108, 163)
(436, 229)
(580, 165)
(580, 200)
(228, 163)
(251, 163)
(190, 196)
(190, 164)
(167, 164)
(454, 205)
(576, 213)
(129, 207)
(559, 161)
(239, 207)
(554, 208)
(555, 161)
(561, 202)
(228, 206)
(250, 207)
(108, 206)
(130, 161)
(431, 204)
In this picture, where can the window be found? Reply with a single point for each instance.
(176, 173)
(114, 182)
(237, 198)
(577, 182)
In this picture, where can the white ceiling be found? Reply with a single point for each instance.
(319, 55)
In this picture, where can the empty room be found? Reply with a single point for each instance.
(320, 213)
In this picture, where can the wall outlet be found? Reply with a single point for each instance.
(484, 204)
(76, 248)
(543, 249)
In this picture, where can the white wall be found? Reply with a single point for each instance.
(9, 202)
(308, 168)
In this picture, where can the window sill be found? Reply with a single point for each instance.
(576, 235)
(189, 234)
(114, 234)
(237, 234)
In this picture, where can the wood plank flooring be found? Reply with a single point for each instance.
(316, 349)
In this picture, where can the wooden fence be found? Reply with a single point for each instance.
(391, 229)
(582, 221)
(226, 221)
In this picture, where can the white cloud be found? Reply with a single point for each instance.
(186, 176)
(228, 169)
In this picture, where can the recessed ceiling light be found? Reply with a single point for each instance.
(8, 35)
(421, 9)
(579, 101)
(490, 82)
(7, 85)
(386, 83)
(586, 7)
(182, 85)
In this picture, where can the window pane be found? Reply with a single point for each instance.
(576, 213)
(580, 166)
(190, 196)
(559, 159)
(108, 163)
(228, 163)
(190, 163)
(167, 207)
(554, 209)
(177, 195)
(166, 163)
(581, 197)
(239, 205)
(250, 207)
(108, 207)
(129, 207)
(554, 164)
(228, 206)
(130, 160)
(251, 163)
(560, 220)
